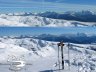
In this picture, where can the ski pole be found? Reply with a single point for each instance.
(62, 57)
(58, 58)
(69, 55)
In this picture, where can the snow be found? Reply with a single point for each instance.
(11, 50)
(41, 56)
(21, 19)
(4, 22)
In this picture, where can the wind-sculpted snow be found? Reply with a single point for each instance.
(48, 19)
(43, 55)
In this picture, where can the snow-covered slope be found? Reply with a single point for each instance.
(33, 48)
(34, 20)
(43, 55)
(7, 51)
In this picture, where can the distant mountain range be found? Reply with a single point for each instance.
(84, 16)
(80, 38)
(49, 19)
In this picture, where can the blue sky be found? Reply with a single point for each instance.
(46, 5)
(88, 2)
(16, 31)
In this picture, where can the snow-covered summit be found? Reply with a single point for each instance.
(43, 55)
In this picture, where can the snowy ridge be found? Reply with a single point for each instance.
(29, 19)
